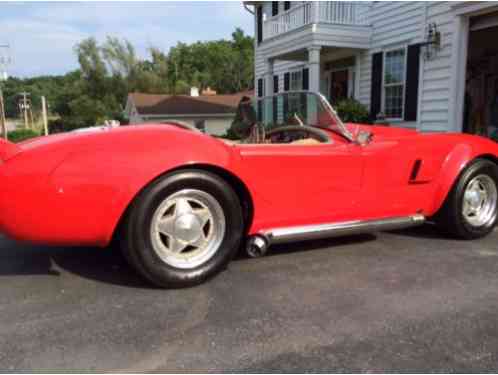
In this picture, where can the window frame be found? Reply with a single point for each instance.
(263, 87)
(296, 71)
(403, 83)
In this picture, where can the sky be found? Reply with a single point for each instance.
(42, 35)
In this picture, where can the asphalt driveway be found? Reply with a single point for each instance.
(400, 301)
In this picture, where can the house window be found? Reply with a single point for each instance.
(259, 18)
(296, 80)
(261, 87)
(274, 8)
(394, 83)
(287, 5)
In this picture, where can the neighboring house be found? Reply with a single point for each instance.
(412, 62)
(210, 113)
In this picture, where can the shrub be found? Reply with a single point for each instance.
(351, 110)
(20, 135)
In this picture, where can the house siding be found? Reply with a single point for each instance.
(399, 24)
(280, 67)
(436, 73)
(394, 25)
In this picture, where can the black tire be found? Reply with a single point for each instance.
(450, 217)
(136, 241)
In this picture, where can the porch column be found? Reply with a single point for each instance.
(268, 109)
(314, 68)
(269, 78)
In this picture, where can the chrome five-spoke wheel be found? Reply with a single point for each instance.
(183, 228)
(187, 228)
(479, 201)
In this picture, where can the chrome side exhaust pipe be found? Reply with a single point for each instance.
(257, 246)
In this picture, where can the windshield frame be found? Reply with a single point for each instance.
(339, 126)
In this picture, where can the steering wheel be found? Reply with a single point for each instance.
(291, 133)
(183, 125)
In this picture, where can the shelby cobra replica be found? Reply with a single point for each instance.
(181, 202)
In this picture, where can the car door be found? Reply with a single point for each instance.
(397, 176)
(303, 184)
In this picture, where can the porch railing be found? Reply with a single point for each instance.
(343, 13)
(333, 12)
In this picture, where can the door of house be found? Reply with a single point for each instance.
(339, 85)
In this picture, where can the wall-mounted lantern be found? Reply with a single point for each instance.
(432, 43)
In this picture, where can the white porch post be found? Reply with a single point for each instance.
(314, 68)
(268, 91)
(269, 77)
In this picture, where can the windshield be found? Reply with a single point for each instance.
(291, 108)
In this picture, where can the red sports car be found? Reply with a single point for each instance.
(181, 202)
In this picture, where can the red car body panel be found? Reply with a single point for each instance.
(72, 189)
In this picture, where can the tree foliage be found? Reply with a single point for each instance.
(110, 70)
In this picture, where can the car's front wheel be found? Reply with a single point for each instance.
(470, 210)
(183, 228)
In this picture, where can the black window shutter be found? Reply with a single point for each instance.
(275, 84)
(286, 81)
(274, 8)
(306, 79)
(376, 94)
(259, 16)
(411, 89)
(260, 87)
(287, 5)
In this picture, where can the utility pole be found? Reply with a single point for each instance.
(5, 60)
(3, 122)
(44, 115)
(24, 107)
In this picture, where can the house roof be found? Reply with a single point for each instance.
(153, 104)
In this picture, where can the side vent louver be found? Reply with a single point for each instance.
(415, 170)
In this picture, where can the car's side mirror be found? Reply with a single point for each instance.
(363, 137)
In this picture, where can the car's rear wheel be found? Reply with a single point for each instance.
(470, 210)
(183, 228)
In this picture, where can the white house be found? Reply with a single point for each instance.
(427, 65)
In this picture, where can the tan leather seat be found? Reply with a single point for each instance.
(306, 141)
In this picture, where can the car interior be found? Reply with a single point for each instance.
(254, 124)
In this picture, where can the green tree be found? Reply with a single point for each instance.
(97, 91)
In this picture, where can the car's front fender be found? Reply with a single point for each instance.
(456, 161)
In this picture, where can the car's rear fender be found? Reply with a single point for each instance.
(74, 193)
(8, 150)
(99, 187)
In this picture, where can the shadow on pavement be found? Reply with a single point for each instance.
(428, 231)
(109, 266)
(104, 265)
